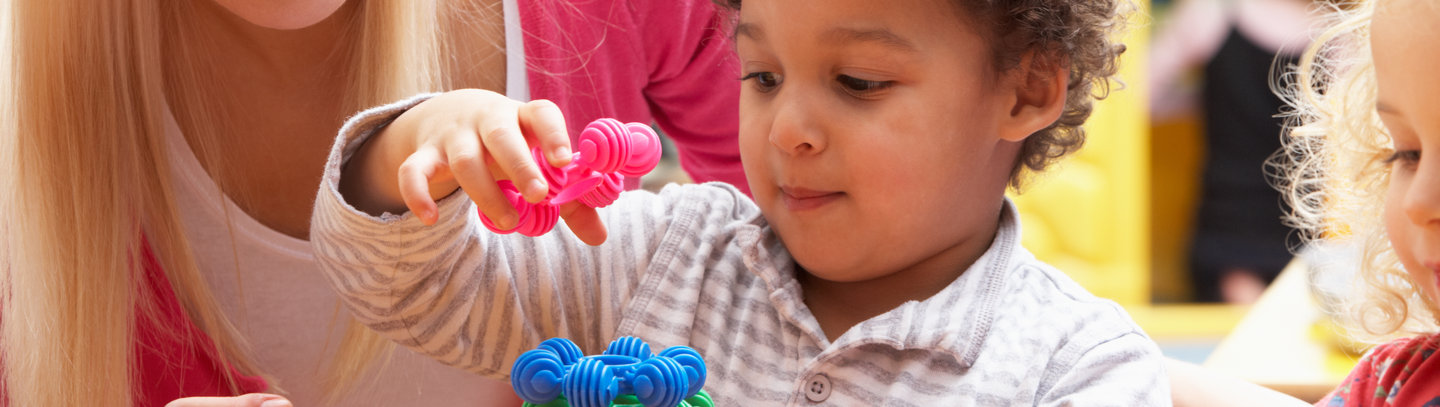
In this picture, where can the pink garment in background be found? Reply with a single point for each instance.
(177, 359)
(666, 60)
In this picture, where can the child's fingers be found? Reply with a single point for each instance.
(415, 176)
(502, 140)
(248, 400)
(467, 163)
(544, 120)
(585, 222)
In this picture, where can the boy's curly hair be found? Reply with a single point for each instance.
(1079, 34)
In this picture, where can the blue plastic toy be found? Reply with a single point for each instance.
(556, 370)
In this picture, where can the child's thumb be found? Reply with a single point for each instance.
(585, 222)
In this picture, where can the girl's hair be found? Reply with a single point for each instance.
(86, 174)
(1334, 174)
(1079, 35)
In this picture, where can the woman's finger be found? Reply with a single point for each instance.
(543, 119)
(417, 173)
(467, 162)
(585, 222)
(248, 400)
(502, 140)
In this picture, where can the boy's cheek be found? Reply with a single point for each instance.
(753, 144)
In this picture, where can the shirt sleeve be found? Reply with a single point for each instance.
(1125, 371)
(693, 89)
(470, 298)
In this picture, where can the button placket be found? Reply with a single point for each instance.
(817, 387)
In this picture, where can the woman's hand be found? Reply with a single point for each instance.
(464, 139)
(248, 400)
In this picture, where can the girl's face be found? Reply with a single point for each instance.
(875, 135)
(1405, 43)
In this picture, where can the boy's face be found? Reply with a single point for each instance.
(869, 131)
(1405, 43)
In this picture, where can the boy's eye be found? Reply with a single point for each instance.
(764, 81)
(861, 87)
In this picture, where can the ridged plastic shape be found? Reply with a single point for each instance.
(593, 382)
(630, 346)
(659, 382)
(537, 375)
(626, 374)
(531, 219)
(694, 366)
(568, 352)
(608, 152)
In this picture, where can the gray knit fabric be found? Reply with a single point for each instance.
(697, 265)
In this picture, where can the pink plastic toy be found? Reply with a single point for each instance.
(609, 151)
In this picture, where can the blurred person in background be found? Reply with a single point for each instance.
(1240, 241)
(159, 159)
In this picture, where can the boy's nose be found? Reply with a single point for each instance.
(795, 129)
(1422, 197)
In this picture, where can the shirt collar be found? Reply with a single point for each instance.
(954, 321)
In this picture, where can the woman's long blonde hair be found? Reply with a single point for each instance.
(1335, 172)
(85, 175)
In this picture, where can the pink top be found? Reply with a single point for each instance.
(178, 361)
(666, 60)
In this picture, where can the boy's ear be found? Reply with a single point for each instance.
(1039, 97)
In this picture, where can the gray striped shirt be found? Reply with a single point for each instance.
(698, 265)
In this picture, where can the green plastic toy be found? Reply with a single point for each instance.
(700, 399)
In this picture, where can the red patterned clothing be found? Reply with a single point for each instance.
(1398, 373)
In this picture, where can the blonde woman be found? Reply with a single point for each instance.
(160, 157)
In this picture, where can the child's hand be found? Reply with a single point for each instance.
(464, 139)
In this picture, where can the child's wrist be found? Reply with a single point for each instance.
(369, 181)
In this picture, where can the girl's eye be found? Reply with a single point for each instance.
(1404, 157)
(862, 88)
(764, 81)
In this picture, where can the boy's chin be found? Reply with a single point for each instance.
(833, 271)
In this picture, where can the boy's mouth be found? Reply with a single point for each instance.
(802, 199)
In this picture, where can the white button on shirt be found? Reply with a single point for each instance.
(817, 389)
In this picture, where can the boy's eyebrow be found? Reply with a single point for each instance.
(881, 35)
(840, 35)
(749, 30)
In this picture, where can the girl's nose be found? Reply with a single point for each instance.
(795, 130)
(1422, 198)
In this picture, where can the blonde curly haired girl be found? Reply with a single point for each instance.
(1364, 98)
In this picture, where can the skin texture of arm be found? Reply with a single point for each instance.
(1192, 385)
